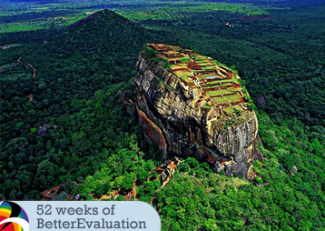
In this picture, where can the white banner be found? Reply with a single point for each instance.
(80, 215)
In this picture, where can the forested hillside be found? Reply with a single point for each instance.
(70, 127)
(74, 64)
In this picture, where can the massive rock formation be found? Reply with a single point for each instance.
(192, 105)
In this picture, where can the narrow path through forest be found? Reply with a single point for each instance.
(34, 74)
(15, 66)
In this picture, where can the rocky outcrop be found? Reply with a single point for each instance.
(191, 105)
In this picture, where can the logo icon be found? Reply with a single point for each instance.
(13, 217)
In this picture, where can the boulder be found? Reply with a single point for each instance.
(191, 105)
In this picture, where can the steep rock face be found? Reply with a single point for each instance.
(192, 105)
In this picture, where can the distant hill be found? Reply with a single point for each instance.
(89, 55)
(95, 18)
(103, 42)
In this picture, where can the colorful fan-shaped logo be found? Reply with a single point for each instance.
(13, 217)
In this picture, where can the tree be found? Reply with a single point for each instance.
(46, 172)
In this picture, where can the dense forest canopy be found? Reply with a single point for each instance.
(64, 122)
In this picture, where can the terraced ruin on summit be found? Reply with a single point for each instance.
(218, 85)
(192, 105)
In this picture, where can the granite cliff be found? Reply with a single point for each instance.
(192, 105)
